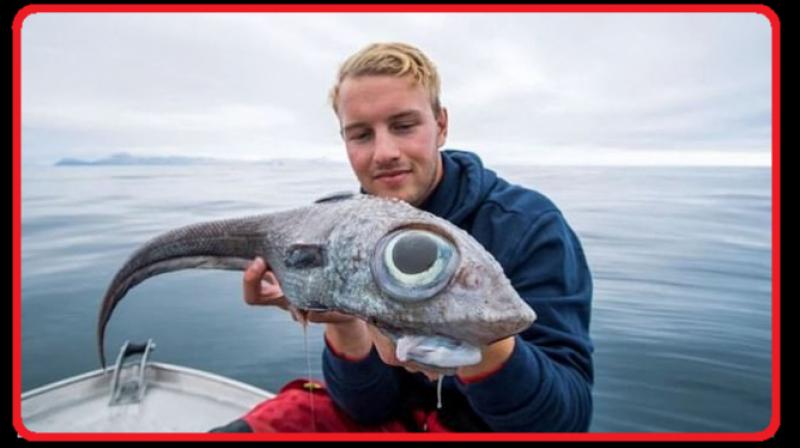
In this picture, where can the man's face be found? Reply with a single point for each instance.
(392, 136)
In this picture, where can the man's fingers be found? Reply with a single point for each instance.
(269, 280)
(255, 270)
(260, 286)
(251, 282)
(271, 288)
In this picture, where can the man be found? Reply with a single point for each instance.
(387, 101)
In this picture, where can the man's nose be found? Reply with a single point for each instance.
(386, 147)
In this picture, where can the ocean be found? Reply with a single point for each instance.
(681, 259)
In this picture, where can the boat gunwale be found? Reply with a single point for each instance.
(166, 367)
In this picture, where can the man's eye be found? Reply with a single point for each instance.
(360, 136)
(404, 126)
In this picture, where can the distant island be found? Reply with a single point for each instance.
(130, 159)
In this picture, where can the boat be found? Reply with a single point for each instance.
(138, 395)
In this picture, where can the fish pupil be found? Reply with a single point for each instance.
(413, 254)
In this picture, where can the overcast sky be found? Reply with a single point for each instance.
(599, 88)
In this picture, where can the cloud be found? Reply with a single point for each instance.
(257, 84)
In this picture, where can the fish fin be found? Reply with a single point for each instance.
(304, 256)
(337, 196)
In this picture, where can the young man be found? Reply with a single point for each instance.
(387, 101)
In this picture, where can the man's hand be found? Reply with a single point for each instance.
(261, 287)
(494, 356)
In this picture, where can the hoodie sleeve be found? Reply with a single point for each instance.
(545, 386)
(367, 390)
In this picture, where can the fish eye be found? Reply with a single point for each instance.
(413, 265)
(414, 257)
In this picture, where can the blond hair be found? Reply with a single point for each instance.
(393, 59)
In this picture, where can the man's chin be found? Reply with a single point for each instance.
(401, 194)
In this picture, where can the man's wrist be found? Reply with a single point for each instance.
(349, 340)
(494, 357)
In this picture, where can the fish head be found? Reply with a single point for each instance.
(429, 286)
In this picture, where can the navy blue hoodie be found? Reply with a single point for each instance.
(545, 386)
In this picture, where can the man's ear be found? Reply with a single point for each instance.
(441, 125)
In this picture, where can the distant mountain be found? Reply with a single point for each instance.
(129, 159)
(124, 158)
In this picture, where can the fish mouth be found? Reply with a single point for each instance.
(436, 353)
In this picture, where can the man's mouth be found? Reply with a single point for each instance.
(392, 177)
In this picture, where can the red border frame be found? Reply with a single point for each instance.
(764, 434)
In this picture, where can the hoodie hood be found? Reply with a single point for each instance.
(464, 186)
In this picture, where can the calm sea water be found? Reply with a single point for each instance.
(681, 259)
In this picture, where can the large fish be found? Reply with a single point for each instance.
(418, 278)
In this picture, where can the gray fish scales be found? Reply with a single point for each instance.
(406, 271)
